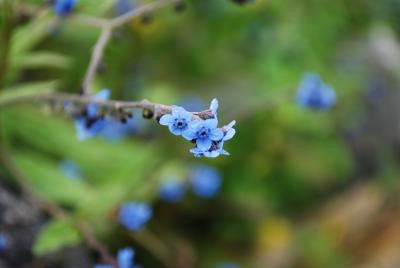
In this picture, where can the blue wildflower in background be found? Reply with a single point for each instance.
(227, 265)
(178, 121)
(64, 7)
(134, 215)
(124, 6)
(3, 242)
(206, 181)
(172, 190)
(314, 93)
(91, 123)
(116, 131)
(125, 259)
(70, 169)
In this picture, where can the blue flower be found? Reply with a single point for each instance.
(204, 132)
(3, 242)
(177, 121)
(216, 148)
(70, 169)
(134, 215)
(227, 265)
(91, 124)
(64, 7)
(125, 258)
(116, 131)
(313, 93)
(206, 181)
(124, 6)
(172, 190)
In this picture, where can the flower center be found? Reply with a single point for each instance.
(203, 133)
(180, 123)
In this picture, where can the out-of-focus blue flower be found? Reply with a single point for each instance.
(314, 93)
(227, 265)
(124, 6)
(116, 131)
(172, 190)
(134, 215)
(70, 169)
(177, 121)
(192, 103)
(3, 242)
(64, 7)
(125, 258)
(91, 124)
(204, 132)
(206, 181)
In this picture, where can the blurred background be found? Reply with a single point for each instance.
(301, 188)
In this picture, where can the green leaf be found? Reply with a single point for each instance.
(56, 235)
(41, 59)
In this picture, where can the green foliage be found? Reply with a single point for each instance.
(56, 235)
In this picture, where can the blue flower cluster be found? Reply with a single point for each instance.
(3, 242)
(206, 181)
(70, 169)
(64, 7)
(125, 259)
(134, 215)
(92, 123)
(208, 138)
(314, 93)
(172, 190)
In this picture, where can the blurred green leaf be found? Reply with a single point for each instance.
(26, 90)
(41, 59)
(55, 235)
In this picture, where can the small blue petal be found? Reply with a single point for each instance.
(189, 134)
(216, 134)
(167, 119)
(174, 130)
(210, 123)
(204, 144)
(64, 7)
(214, 107)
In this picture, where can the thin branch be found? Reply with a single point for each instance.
(96, 58)
(107, 27)
(55, 97)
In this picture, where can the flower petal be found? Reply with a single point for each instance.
(210, 123)
(203, 144)
(229, 135)
(166, 119)
(174, 130)
(214, 106)
(216, 134)
(189, 134)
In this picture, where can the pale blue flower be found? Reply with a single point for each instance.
(204, 132)
(177, 121)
